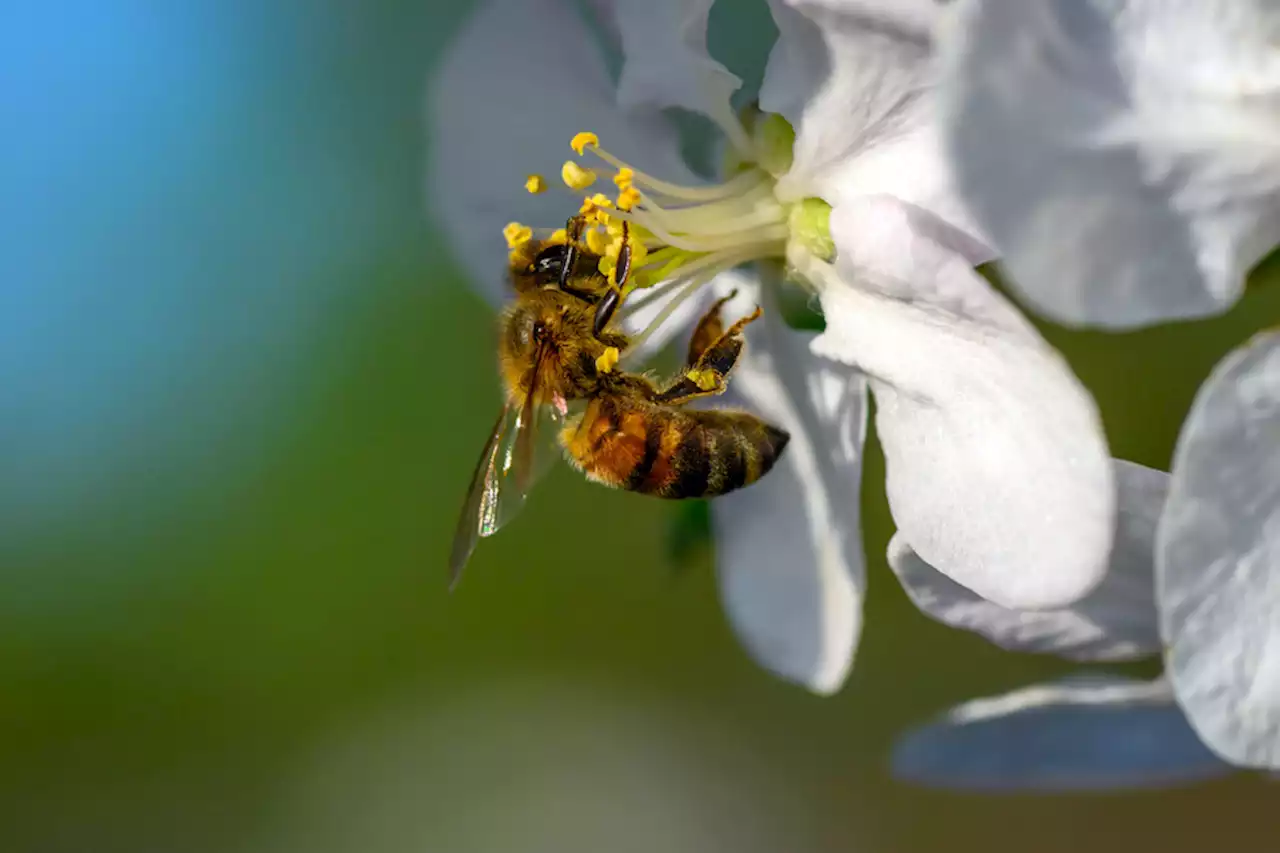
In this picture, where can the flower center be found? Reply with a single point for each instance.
(679, 237)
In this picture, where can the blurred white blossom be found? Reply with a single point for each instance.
(1218, 559)
(1124, 157)
(1194, 574)
(1087, 733)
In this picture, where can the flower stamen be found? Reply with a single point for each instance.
(672, 237)
(576, 177)
(517, 235)
(582, 139)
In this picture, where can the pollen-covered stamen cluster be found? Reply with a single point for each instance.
(677, 236)
(673, 238)
(687, 230)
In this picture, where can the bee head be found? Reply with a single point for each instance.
(547, 322)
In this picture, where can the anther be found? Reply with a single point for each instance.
(535, 184)
(596, 242)
(628, 198)
(575, 177)
(593, 208)
(581, 140)
(517, 235)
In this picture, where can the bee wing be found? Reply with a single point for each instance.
(520, 450)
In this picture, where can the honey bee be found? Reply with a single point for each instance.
(558, 347)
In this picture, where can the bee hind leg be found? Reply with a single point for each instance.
(708, 373)
(708, 331)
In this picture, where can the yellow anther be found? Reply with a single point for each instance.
(639, 254)
(597, 243)
(558, 236)
(706, 379)
(608, 267)
(517, 235)
(575, 177)
(581, 140)
(535, 184)
(624, 177)
(628, 198)
(607, 360)
(593, 208)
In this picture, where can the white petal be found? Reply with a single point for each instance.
(1122, 156)
(1078, 734)
(1116, 621)
(855, 78)
(998, 470)
(1218, 559)
(912, 169)
(852, 76)
(789, 547)
(501, 109)
(666, 64)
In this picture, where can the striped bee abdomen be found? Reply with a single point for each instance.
(719, 452)
(673, 453)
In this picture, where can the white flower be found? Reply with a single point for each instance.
(1124, 156)
(1088, 732)
(1195, 573)
(1116, 621)
(1218, 559)
(1085, 733)
(998, 473)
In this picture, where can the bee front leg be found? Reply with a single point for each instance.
(573, 234)
(622, 273)
(709, 373)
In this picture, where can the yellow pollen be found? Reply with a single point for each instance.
(608, 268)
(593, 208)
(535, 184)
(624, 177)
(582, 140)
(596, 242)
(558, 236)
(575, 177)
(705, 379)
(628, 198)
(607, 360)
(517, 235)
(639, 254)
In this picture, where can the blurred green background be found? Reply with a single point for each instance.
(244, 388)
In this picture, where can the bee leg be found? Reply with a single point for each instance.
(708, 330)
(573, 233)
(709, 374)
(604, 311)
(622, 272)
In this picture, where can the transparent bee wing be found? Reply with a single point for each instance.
(544, 441)
(520, 450)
